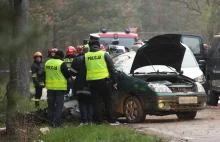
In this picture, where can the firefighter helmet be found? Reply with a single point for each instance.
(37, 54)
(70, 50)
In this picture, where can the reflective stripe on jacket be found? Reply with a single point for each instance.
(68, 62)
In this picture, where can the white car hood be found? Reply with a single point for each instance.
(193, 72)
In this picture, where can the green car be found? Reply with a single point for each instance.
(152, 83)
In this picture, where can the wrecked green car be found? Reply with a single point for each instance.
(155, 84)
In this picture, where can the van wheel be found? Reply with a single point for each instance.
(212, 98)
(186, 115)
(133, 110)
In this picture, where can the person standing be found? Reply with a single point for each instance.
(57, 75)
(81, 90)
(38, 77)
(101, 75)
(70, 55)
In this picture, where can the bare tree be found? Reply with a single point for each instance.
(19, 82)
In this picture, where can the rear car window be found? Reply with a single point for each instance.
(193, 43)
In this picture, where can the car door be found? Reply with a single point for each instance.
(216, 80)
(212, 60)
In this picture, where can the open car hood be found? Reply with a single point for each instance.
(160, 50)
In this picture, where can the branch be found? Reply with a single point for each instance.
(190, 7)
(208, 2)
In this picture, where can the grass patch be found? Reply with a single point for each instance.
(95, 133)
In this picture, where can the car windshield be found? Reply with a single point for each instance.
(193, 43)
(127, 42)
(189, 60)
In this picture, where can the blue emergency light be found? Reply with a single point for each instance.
(104, 31)
(127, 31)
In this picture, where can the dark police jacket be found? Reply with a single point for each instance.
(78, 69)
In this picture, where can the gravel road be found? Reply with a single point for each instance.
(204, 128)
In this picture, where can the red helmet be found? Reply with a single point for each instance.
(79, 49)
(51, 50)
(102, 47)
(70, 50)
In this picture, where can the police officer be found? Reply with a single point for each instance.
(57, 75)
(70, 55)
(38, 77)
(101, 75)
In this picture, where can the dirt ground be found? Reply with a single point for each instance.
(204, 128)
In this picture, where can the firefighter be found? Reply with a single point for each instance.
(80, 50)
(51, 52)
(101, 75)
(38, 76)
(70, 55)
(102, 47)
(57, 75)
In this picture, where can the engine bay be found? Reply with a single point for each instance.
(175, 82)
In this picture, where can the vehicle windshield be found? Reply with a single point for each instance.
(189, 60)
(127, 42)
(193, 43)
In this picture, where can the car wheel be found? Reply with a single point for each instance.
(133, 110)
(186, 115)
(212, 97)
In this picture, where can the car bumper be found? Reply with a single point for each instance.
(171, 103)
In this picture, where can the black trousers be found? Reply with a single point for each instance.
(86, 108)
(102, 90)
(55, 100)
(38, 94)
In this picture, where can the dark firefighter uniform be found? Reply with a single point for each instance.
(57, 75)
(70, 55)
(38, 77)
(101, 75)
(81, 90)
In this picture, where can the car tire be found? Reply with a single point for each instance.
(133, 110)
(186, 115)
(212, 97)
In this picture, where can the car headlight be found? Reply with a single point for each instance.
(159, 88)
(200, 87)
(200, 79)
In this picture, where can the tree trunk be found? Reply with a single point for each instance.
(22, 65)
(19, 74)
